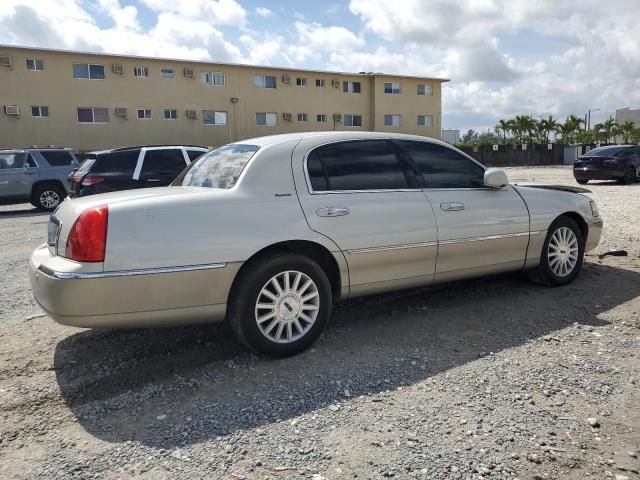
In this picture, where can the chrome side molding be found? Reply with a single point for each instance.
(127, 273)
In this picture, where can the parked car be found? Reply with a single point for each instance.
(615, 162)
(35, 175)
(271, 232)
(131, 167)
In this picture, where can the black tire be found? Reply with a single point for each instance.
(544, 273)
(242, 313)
(629, 176)
(47, 197)
(582, 182)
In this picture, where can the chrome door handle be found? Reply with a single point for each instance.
(332, 211)
(452, 207)
(153, 180)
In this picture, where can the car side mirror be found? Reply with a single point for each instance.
(495, 178)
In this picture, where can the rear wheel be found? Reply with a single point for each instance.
(48, 197)
(280, 305)
(562, 254)
(629, 176)
(582, 182)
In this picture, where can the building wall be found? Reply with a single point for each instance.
(56, 88)
(628, 115)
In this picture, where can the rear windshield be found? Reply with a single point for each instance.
(86, 165)
(220, 168)
(12, 160)
(603, 151)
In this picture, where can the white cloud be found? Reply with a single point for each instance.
(319, 38)
(264, 12)
(216, 12)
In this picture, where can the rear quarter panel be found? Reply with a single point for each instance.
(210, 225)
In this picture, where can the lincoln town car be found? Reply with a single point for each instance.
(269, 233)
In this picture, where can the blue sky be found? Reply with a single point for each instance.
(504, 57)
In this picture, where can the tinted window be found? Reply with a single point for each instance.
(193, 154)
(57, 159)
(357, 165)
(30, 162)
(169, 160)
(12, 160)
(442, 167)
(124, 162)
(603, 151)
(220, 168)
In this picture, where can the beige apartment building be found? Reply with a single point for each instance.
(90, 101)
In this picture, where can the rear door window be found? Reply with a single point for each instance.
(193, 154)
(356, 165)
(57, 158)
(166, 161)
(116, 162)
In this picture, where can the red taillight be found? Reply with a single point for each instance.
(88, 181)
(88, 237)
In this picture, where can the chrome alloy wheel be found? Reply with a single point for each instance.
(287, 307)
(49, 199)
(563, 251)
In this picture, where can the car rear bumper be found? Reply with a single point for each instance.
(597, 174)
(131, 298)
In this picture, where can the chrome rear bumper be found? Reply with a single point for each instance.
(130, 298)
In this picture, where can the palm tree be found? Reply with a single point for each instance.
(600, 133)
(505, 127)
(524, 124)
(609, 126)
(635, 135)
(545, 127)
(626, 130)
(569, 128)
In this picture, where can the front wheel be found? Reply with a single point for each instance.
(562, 254)
(582, 182)
(280, 305)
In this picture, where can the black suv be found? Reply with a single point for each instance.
(615, 162)
(131, 167)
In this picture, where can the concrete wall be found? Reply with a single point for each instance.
(56, 88)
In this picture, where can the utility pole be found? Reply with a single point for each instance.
(589, 115)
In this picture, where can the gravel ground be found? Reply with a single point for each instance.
(491, 378)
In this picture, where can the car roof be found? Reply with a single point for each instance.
(335, 136)
(35, 149)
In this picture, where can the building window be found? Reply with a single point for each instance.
(142, 72)
(264, 81)
(351, 120)
(392, 87)
(167, 73)
(144, 114)
(266, 118)
(392, 120)
(301, 82)
(88, 70)
(212, 78)
(351, 87)
(210, 117)
(170, 113)
(35, 65)
(302, 117)
(321, 118)
(319, 82)
(425, 120)
(39, 111)
(93, 115)
(425, 90)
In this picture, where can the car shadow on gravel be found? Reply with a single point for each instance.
(170, 388)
